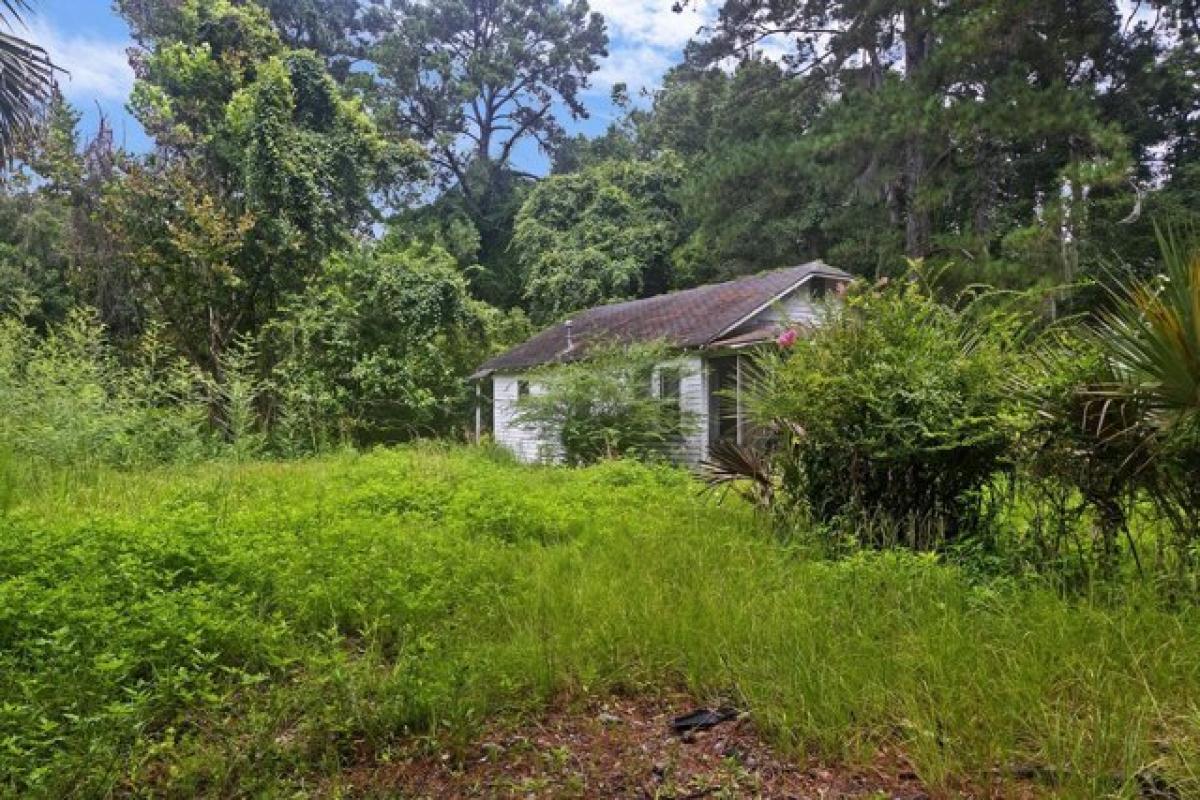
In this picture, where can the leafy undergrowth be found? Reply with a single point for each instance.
(233, 630)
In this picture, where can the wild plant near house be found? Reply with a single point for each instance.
(1150, 336)
(892, 415)
(1081, 454)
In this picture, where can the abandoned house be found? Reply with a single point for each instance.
(713, 327)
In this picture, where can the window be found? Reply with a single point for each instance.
(522, 389)
(818, 288)
(668, 385)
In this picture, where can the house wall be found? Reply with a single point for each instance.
(525, 441)
(798, 306)
(530, 446)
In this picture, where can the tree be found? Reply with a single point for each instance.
(605, 233)
(340, 31)
(263, 168)
(26, 80)
(760, 192)
(56, 251)
(962, 122)
(473, 80)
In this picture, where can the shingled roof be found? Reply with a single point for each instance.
(692, 318)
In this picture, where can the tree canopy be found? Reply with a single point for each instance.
(299, 148)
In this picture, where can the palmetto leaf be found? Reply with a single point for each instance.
(26, 80)
(729, 464)
(1152, 338)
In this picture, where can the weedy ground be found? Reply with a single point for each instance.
(275, 629)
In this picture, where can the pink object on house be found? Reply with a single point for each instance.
(787, 338)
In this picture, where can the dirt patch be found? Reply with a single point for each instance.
(620, 748)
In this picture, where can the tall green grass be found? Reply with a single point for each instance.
(253, 629)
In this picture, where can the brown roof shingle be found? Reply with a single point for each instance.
(690, 318)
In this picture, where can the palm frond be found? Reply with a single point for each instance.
(1151, 335)
(732, 464)
(26, 81)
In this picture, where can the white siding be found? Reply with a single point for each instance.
(531, 446)
(525, 441)
(796, 307)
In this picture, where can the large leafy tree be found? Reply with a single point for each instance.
(26, 79)
(263, 167)
(473, 80)
(604, 233)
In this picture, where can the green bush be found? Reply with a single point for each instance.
(1079, 454)
(896, 413)
(376, 350)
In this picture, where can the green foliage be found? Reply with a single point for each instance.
(1150, 337)
(376, 348)
(610, 405)
(896, 413)
(259, 629)
(930, 129)
(67, 403)
(52, 251)
(266, 169)
(602, 234)
(1079, 453)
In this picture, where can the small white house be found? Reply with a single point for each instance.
(712, 326)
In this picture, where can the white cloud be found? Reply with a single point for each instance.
(637, 67)
(652, 22)
(645, 38)
(95, 68)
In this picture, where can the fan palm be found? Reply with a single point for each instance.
(1151, 335)
(26, 79)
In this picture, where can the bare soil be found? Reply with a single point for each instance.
(624, 748)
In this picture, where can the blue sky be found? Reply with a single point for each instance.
(89, 40)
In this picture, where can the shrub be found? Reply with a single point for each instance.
(1079, 453)
(606, 406)
(67, 400)
(895, 412)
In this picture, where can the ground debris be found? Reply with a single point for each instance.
(625, 748)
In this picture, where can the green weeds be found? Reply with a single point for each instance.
(255, 629)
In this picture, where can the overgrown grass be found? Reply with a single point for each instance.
(253, 629)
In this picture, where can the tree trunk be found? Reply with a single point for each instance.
(918, 225)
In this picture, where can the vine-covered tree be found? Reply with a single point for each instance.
(605, 233)
(263, 168)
